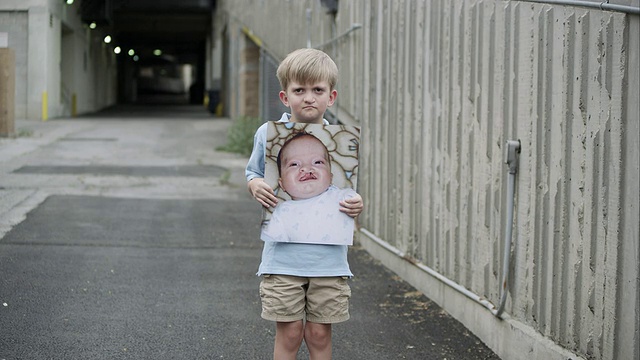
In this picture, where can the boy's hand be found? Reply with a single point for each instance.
(352, 206)
(262, 192)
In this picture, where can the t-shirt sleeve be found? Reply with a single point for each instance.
(255, 166)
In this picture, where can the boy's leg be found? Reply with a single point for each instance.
(283, 301)
(327, 303)
(288, 339)
(318, 340)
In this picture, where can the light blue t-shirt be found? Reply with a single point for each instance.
(304, 260)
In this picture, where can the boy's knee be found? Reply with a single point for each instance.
(292, 332)
(318, 334)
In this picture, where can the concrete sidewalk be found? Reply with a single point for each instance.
(127, 235)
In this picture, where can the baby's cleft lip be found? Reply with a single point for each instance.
(308, 176)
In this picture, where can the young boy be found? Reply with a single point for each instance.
(312, 216)
(304, 286)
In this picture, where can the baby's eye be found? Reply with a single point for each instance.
(319, 162)
(293, 164)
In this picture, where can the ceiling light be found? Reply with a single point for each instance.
(157, 52)
(107, 39)
(131, 52)
(117, 50)
(69, 2)
(93, 25)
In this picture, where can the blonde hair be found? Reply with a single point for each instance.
(307, 66)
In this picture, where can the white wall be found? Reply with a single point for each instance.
(89, 66)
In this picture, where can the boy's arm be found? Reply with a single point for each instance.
(352, 206)
(254, 171)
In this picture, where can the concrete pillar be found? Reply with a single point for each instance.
(7, 92)
(39, 62)
(249, 79)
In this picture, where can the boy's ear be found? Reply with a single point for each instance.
(284, 98)
(332, 97)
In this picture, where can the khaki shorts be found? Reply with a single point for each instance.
(291, 298)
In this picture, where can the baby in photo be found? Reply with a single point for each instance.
(312, 215)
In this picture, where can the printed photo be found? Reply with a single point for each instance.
(311, 169)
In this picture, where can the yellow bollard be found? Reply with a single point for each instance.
(74, 105)
(45, 107)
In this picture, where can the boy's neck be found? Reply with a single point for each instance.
(316, 121)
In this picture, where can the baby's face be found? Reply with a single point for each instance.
(305, 169)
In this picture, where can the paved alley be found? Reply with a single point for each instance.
(128, 235)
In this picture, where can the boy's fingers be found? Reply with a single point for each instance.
(351, 205)
(264, 203)
(267, 199)
(350, 213)
(263, 193)
(353, 202)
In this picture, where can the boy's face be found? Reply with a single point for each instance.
(308, 102)
(305, 169)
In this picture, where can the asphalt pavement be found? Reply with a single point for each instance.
(128, 235)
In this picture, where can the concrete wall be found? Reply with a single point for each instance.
(59, 62)
(242, 77)
(7, 91)
(438, 87)
(249, 80)
(628, 264)
(15, 24)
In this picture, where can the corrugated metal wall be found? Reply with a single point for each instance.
(551, 77)
(438, 87)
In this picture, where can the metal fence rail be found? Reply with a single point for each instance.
(271, 108)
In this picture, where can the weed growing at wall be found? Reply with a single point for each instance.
(240, 135)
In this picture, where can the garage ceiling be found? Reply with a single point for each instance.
(177, 27)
